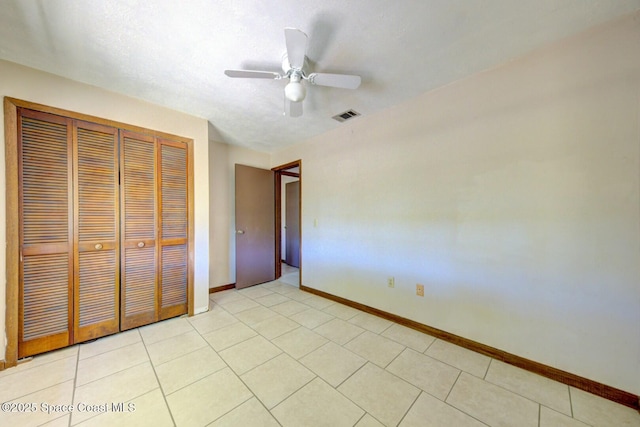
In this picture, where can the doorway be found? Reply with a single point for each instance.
(260, 220)
(288, 186)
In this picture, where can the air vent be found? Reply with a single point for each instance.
(343, 117)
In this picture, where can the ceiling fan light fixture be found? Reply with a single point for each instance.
(295, 91)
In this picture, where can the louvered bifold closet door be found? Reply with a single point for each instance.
(174, 231)
(97, 263)
(46, 206)
(139, 293)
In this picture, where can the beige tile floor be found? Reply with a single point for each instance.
(273, 355)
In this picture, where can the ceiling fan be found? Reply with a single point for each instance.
(294, 66)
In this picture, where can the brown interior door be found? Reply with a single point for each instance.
(174, 231)
(46, 232)
(97, 264)
(138, 289)
(292, 207)
(255, 226)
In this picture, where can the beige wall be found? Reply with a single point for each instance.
(513, 196)
(222, 161)
(35, 86)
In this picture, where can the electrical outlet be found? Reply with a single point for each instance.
(420, 290)
(391, 282)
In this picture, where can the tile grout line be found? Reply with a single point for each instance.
(110, 350)
(233, 345)
(411, 406)
(350, 340)
(386, 329)
(277, 336)
(361, 418)
(452, 387)
(266, 361)
(347, 397)
(570, 401)
(164, 397)
(180, 356)
(450, 365)
(8, 372)
(356, 371)
(196, 381)
(429, 346)
(235, 407)
(285, 398)
(115, 372)
(349, 376)
(394, 358)
(520, 395)
(487, 370)
(539, 413)
(401, 343)
(41, 389)
(455, 407)
(75, 379)
(159, 324)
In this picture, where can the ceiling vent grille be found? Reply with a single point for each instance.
(343, 117)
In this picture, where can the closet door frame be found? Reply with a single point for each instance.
(12, 296)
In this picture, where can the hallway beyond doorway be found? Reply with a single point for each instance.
(290, 275)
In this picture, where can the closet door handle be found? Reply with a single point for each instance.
(98, 246)
(141, 244)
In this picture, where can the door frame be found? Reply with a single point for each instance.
(279, 171)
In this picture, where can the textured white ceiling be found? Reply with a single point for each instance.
(173, 53)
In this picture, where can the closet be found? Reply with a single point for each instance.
(104, 227)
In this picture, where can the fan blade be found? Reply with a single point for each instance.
(292, 109)
(335, 80)
(296, 42)
(247, 74)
